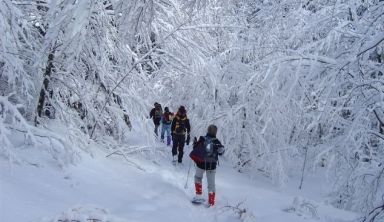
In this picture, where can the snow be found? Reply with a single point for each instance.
(109, 189)
(294, 87)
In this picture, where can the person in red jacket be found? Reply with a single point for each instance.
(166, 122)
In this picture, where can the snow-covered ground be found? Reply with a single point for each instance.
(111, 189)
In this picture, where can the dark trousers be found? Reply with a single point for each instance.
(178, 146)
(157, 129)
(156, 121)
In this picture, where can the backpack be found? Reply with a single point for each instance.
(158, 113)
(180, 127)
(167, 118)
(204, 150)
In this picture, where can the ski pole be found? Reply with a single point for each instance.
(189, 170)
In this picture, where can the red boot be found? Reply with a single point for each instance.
(198, 188)
(211, 198)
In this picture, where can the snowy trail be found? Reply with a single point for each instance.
(32, 194)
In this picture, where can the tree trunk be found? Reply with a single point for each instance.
(44, 88)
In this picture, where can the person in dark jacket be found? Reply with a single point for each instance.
(166, 121)
(155, 115)
(207, 149)
(180, 134)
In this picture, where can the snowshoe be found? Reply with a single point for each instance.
(198, 200)
(207, 205)
(174, 160)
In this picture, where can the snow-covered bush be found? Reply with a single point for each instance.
(303, 208)
(17, 84)
(70, 61)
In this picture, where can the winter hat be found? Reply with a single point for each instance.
(156, 104)
(212, 130)
(166, 109)
(182, 110)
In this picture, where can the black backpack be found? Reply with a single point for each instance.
(158, 113)
(180, 127)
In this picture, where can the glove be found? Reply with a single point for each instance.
(188, 139)
(194, 141)
(220, 150)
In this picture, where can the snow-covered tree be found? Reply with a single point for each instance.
(286, 81)
(280, 78)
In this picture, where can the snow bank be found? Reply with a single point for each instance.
(111, 189)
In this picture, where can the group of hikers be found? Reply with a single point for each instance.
(205, 152)
(175, 127)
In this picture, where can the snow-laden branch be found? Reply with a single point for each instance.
(379, 38)
(137, 62)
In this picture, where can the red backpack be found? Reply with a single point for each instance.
(167, 118)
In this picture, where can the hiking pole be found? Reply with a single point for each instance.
(189, 170)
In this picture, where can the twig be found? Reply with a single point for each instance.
(373, 214)
(239, 211)
(371, 47)
(378, 118)
(121, 153)
(303, 169)
(115, 152)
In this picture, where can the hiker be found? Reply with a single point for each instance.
(155, 115)
(166, 121)
(180, 134)
(205, 154)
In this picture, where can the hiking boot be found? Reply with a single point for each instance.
(180, 158)
(168, 140)
(211, 198)
(174, 160)
(199, 189)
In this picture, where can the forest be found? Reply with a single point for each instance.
(295, 88)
